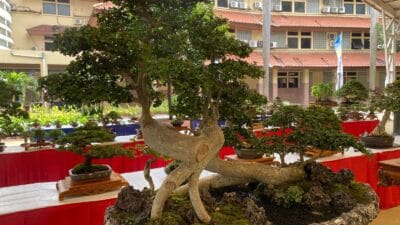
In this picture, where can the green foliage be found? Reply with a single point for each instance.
(352, 92)
(83, 168)
(24, 84)
(313, 126)
(65, 115)
(80, 142)
(322, 91)
(388, 99)
(38, 135)
(55, 134)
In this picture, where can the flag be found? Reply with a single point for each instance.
(339, 73)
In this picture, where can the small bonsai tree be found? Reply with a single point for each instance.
(114, 117)
(388, 101)
(352, 92)
(80, 142)
(54, 135)
(322, 93)
(303, 127)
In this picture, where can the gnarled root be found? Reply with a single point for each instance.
(194, 194)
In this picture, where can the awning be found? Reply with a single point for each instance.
(43, 30)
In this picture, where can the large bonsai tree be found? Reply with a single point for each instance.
(138, 45)
(387, 101)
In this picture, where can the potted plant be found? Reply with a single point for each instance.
(54, 135)
(352, 92)
(177, 121)
(74, 124)
(386, 101)
(114, 117)
(81, 142)
(58, 124)
(322, 93)
(38, 135)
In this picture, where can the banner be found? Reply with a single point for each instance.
(339, 73)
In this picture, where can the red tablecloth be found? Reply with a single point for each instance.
(92, 213)
(52, 165)
(357, 128)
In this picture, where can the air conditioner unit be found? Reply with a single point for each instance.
(234, 4)
(278, 8)
(326, 9)
(258, 5)
(78, 21)
(253, 43)
(260, 44)
(274, 44)
(342, 9)
(334, 10)
(243, 5)
(35, 48)
(245, 41)
(331, 36)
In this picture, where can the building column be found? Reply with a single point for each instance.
(274, 83)
(305, 80)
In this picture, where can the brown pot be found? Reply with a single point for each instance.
(91, 177)
(246, 153)
(377, 141)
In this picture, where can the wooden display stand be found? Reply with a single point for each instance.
(68, 188)
(39, 145)
(264, 160)
(318, 153)
(389, 172)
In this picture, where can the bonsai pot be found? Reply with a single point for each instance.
(246, 153)
(177, 123)
(91, 177)
(377, 141)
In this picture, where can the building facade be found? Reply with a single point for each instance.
(302, 34)
(27, 30)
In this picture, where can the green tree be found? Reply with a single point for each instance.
(139, 45)
(24, 84)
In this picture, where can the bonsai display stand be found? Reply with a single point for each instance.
(389, 172)
(68, 188)
(264, 160)
(38, 145)
(318, 153)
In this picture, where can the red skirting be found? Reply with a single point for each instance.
(52, 165)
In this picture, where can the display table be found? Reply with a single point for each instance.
(118, 129)
(51, 165)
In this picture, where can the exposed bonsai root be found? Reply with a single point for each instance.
(146, 173)
(194, 194)
(213, 182)
(173, 180)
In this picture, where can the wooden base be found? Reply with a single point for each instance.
(264, 160)
(317, 153)
(38, 145)
(67, 188)
(389, 172)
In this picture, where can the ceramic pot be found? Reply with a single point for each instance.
(245, 153)
(377, 141)
(90, 177)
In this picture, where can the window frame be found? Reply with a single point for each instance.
(349, 75)
(293, 6)
(56, 4)
(354, 4)
(48, 40)
(364, 36)
(300, 36)
(286, 76)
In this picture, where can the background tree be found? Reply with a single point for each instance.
(140, 44)
(24, 84)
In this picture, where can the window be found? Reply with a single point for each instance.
(56, 7)
(349, 75)
(243, 35)
(398, 76)
(48, 43)
(359, 40)
(288, 79)
(299, 40)
(355, 7)
(222, 3)
(296, 6)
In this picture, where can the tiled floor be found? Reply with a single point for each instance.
(388, 217)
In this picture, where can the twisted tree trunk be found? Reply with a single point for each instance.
(198, 153)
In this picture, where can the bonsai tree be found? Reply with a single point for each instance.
(352, 92)
(80, 142)
(141, 43)
(322, 93)
(54, 135)
(38, 135)
(386, 101)
(301, 127)
(113, 117)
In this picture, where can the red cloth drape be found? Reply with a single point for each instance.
(52, 165)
